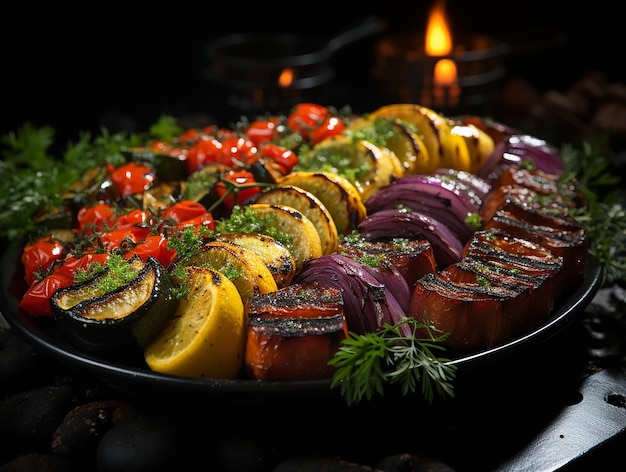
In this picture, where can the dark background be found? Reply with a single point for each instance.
(79, 66)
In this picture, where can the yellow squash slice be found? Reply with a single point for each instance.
(309, 205)
(244, 267)
(206, 336)
(479, 144)
(277, 258)
(367, 165)
(397, 136)
(305, 241)
(444, 150)
(337, 194)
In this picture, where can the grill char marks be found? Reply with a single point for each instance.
(514, 271)
(413, 258)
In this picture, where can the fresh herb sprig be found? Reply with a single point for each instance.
(366, 363)
(603, 216)
(33, 178)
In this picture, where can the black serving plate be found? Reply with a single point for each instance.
(132, 375)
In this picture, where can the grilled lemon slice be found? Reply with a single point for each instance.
(367, 165)
(397, 136)
(206, 336)
(245, 268)
(277, 258)
(309, 205)
(305, 241)
(337, 194)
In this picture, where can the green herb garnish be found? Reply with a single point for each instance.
(367, 362)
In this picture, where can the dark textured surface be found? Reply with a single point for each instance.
(530, 408)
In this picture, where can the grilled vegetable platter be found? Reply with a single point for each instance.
(315, 249)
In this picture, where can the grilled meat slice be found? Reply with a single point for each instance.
(570, 244)
(506, 253)
(412, 257)
(476, 316)
(294, 332)
(535, 290)
(529, 205)
(541, 182)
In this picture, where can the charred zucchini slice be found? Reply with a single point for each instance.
(127, 317)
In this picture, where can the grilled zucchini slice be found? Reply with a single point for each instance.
(126, 318)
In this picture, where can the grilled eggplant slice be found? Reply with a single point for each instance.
(294, 332)
(129, 317)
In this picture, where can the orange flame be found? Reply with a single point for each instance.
(438, 37)
(286, 77)
(439, 43)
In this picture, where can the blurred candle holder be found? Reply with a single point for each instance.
(453, 75)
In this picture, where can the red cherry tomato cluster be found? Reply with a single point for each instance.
(47, 262)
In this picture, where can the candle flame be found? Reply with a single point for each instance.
(445, 72)
(438, 37)
(286, 77)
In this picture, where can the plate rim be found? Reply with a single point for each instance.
(135, 379)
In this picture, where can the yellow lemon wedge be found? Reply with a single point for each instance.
(207, 334)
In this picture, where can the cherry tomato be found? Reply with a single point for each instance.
(314, 122)
(132, 218)
(332, 126)
(236, 151)
(155, 246)
(132, 178)
(184, 210)
(124, 238)
(239, 178)
(263, 131)
(206, 219)
(205, 150)
(38, 256)
(36, 300)
(190, 136)
(99, 215)
(285, 159)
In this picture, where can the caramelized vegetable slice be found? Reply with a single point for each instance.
(243, 266)
(310, 206)
(95, 320)
(277, 258)
(338, 194)
(367, 165)
(294, 332)
(206, 336)
(305, 241)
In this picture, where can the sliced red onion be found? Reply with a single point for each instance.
(425, 195)
(368, 303)
(481, 187)
(393, 280)
(402, 223)
(520, 147)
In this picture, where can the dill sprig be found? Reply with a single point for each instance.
(366, 363)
